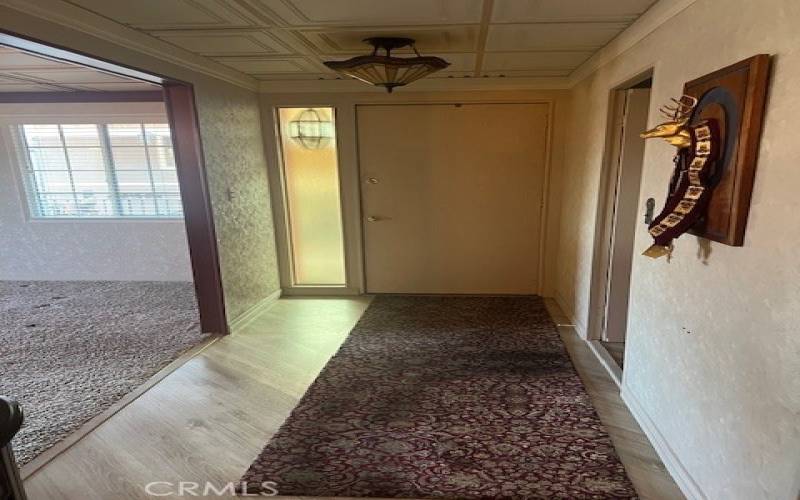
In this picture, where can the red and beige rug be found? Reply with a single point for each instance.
(446, 397)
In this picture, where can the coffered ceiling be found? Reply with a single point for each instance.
(289, 39)
(24, 72)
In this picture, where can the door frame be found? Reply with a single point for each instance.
(179, 101)
(280, 210)
(604, 221)
(543, 215)
(604, 244)
(350, 178)
(277, 186)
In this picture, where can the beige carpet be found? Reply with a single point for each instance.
(69, 350)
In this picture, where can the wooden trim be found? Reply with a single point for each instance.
(179, 100)
(753, 114)
(322, 291)
(60, 447)
(80, 96)
(605, 359)
(544, 215)
(200, 231)
(745, 161)
(251, 313)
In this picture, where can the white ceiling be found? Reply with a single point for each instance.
(289, 39)
(24, 72)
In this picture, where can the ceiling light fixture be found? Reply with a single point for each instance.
(311, 130)
(385, 70)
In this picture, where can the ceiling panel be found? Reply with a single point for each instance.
(262, 65)
(285, 39)
(23, 72)
(114, 86)
(25, 87)
(458, 62)
(371, 12)
(154, 14)
(14, 59)
(574, 36)
(296, 76)
(68, 75)
(538, 11)
(224, 42)
(452, 74)
(446, 39)
(509, 61)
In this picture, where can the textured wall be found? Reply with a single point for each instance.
(725, 397)
(230, 124)
(140, 250)
(233, 147)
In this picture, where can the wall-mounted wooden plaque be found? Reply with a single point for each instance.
(735, 96)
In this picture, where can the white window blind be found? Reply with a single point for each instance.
(100, 170)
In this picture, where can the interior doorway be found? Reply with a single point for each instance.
(108, 239)
(181, 116)
(452, 197)
(618, 216)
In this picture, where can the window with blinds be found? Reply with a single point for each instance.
(100, 171)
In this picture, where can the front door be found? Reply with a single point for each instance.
(452, 197)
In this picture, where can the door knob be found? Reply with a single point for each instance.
(372, 218)
(372, 180)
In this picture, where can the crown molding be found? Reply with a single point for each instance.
(432, 84)
(77, 18)
(661, 12)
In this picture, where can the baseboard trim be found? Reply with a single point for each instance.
(607, 361)
(580, 329)
(674, 466)
(254, 310)
(320, 291)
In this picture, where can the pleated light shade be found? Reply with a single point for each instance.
(387, 71)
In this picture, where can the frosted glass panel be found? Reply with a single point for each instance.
(311, 173)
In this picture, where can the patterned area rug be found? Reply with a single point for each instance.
(456, 397)
(71, 349)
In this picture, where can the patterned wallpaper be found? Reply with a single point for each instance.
(230, 126)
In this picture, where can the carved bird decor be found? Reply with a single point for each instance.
(697, 143)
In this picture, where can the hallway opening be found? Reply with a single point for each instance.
(617, 218)
(102, 277)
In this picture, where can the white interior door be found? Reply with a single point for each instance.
(452, 197)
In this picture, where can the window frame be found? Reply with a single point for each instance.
(289, 273)
(24, 166)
